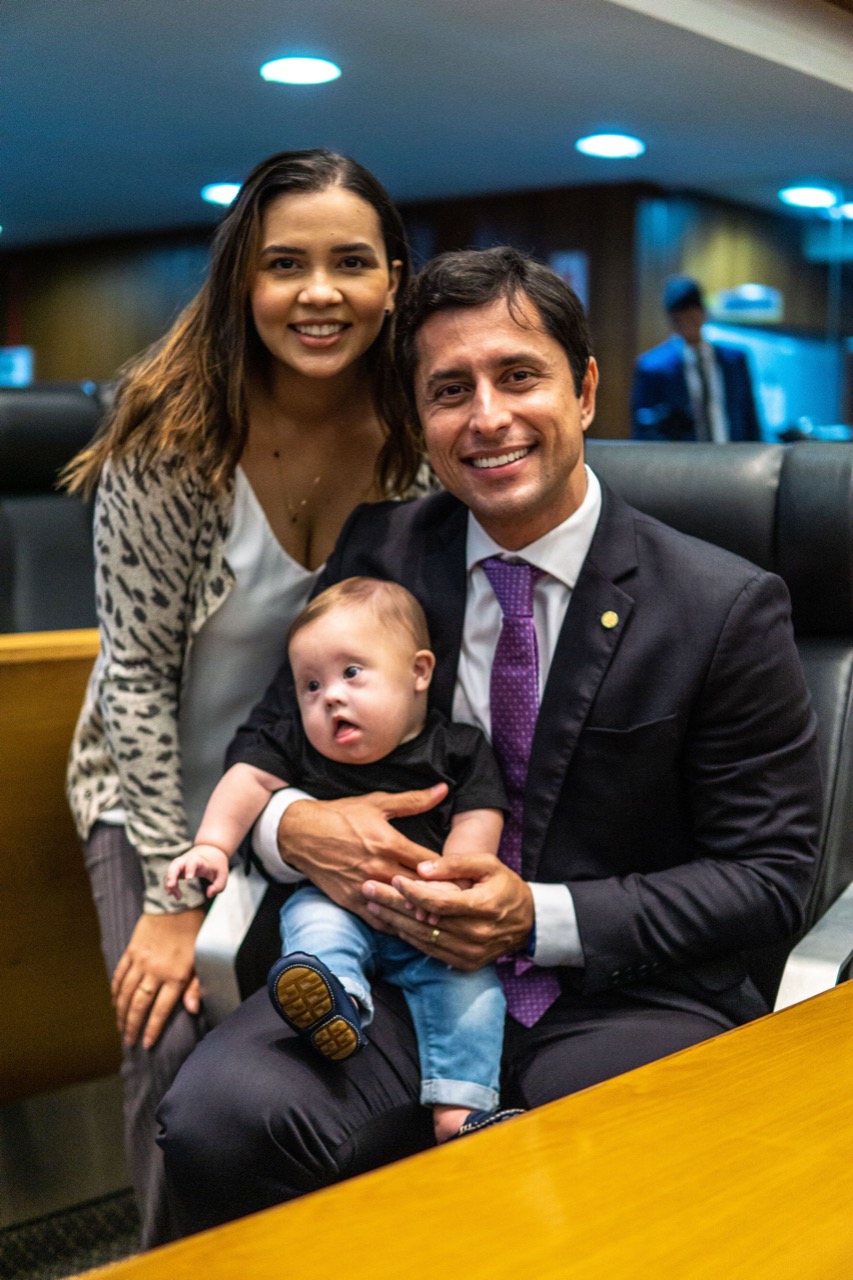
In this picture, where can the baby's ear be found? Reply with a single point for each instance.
(423, 667)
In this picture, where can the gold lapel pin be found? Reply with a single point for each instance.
(610, 619)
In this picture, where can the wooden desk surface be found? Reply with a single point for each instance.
(733, 1159)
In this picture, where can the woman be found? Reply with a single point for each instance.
(235, 450)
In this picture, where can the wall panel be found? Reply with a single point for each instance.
(723, 245)
(598, 221)
(88, 308)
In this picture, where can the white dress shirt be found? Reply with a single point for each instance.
(560, 553)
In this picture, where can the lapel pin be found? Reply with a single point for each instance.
(609, 619)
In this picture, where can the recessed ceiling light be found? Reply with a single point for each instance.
(300, 70)
(846, 211)
(611, 146)
(808, 197)
(220, 192)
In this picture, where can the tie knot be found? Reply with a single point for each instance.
(512, 583)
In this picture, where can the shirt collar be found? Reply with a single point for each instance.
(560, 552)
(691, 354)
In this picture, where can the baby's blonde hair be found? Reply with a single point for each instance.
(392, 604)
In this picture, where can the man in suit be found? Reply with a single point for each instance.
(671, 803)
(687, 388)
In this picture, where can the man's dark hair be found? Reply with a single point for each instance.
(477, 277)
(682, 293)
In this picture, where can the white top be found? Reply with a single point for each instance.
(560, 553)
(240, 647)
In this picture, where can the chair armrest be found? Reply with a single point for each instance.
(219, 939)
(823, 958)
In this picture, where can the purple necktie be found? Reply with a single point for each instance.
(529, 989)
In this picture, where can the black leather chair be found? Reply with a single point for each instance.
(46, 565)
(788, 508)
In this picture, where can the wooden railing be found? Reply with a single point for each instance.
(56, 1022)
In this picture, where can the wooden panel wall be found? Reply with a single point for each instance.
(598, 221)
(723, 245)
(87, 308)
(636, 237)
(56, 1020)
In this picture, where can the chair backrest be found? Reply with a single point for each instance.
(789, 509)
(46, 564)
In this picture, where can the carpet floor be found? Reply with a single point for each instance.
(76, 1239)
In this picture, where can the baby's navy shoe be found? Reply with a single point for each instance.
(311, 1000)
(478, 1120)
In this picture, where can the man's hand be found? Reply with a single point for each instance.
(155, 972)
(480, 909)
(340, 844)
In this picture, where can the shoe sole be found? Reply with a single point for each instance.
(304, 996)
(335, 1040)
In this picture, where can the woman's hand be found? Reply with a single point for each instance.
(156, 970)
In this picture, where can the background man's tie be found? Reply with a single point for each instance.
(703, 420)
(529, 990)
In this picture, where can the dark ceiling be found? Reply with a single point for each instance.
(118, 111)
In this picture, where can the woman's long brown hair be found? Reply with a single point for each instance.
(184, 399)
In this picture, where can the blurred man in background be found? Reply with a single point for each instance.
(688, 388)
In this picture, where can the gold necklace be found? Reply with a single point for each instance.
(294, 512)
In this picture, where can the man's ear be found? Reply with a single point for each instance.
(423, 667)
(587, 396)
(395, 272)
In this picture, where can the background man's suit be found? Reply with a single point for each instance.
(673, 784)
(660, 401)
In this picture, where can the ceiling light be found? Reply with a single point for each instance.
(300, 70)
(220, 192)
(611, 146)
(808, 197)
(846, 210)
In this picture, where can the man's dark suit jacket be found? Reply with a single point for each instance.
(660, 400)
(673, 781)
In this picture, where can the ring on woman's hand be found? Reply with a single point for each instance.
(149, 991)
(435, 935)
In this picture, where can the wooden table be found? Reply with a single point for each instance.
(733, 1159)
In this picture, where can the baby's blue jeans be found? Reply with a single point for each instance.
(458, 1017)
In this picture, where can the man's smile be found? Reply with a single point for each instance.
(488, 461)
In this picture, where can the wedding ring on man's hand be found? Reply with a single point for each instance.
(149, 991)
(435, 935)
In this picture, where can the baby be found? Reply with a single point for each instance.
(362, 667)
